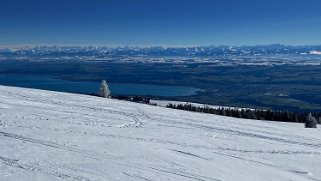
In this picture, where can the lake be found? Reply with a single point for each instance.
(49, 83)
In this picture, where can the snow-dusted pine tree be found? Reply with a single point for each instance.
(104, 90)
(310, 121)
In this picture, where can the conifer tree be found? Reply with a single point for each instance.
(104, 90)
(310, 121)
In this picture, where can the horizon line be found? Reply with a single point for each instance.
(148, 46)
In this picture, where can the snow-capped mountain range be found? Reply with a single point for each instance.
(159, 51)
(268, 55)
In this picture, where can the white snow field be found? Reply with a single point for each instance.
(60, 136)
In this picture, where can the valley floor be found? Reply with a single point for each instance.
(59, 136)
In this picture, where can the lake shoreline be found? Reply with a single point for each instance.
(132, 89)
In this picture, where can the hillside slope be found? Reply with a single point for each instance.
(59, 136)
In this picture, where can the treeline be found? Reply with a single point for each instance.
(138, 99)
(271, 115)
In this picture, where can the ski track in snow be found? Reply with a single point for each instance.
(48, 135)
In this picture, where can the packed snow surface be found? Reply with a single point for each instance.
(59, 136)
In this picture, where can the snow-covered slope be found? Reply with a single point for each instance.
(58, 136)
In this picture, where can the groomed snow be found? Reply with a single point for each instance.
(59, 136)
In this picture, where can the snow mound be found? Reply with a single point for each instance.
(59, 136)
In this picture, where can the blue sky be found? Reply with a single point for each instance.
(160, 22)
